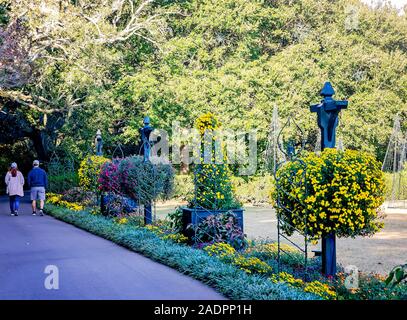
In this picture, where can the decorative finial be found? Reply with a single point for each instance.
(327, 90)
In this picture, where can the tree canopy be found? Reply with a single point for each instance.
(77, 66)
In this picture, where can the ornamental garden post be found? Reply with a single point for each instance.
(99, 152)
(327, 115)
(99, 143)
(145, 132)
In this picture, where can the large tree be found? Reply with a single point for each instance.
(55, 55)
(236, 58)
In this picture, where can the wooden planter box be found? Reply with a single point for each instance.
(195, 216)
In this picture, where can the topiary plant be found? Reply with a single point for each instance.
(213, 184)
(338, 192)
(89, 171)
(109, 177)
(145, 181)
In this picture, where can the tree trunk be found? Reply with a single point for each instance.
(39, 141)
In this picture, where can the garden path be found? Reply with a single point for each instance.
(89, 267)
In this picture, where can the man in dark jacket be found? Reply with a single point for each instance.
(37, 180)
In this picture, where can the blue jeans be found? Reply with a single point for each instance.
(14, 203)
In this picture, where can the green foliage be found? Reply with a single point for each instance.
(63, 182)
(266, 251)
(175, 219)
(234, 57)
(3, 14)
(335, 191)
(145, 181)
(256, 190)
(220, 228)
(183, 187)
(397, 275)
(227, 279)
(399, 182)
(292, 260)
(370, 287)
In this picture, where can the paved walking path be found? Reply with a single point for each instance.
(89, 267)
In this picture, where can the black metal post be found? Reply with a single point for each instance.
(99, 152)
(145, 138)
(148, 217)
(327, 112)
(328, 244)
(99, 143)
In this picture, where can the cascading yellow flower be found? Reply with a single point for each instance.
(341, 193)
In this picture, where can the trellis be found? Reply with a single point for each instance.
(291, 143)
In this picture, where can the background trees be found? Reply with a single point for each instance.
(98, 67)
(57, 58)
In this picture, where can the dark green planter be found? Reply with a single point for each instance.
(195, 216)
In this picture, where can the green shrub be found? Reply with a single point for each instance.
(175, 220)
(397, 275)
(292, 259)
(255, 191)
(62, 182)
(89, 171)
(399, 181)
(145, 181)
(370, 287)
(183, 187)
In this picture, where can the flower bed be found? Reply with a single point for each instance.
(58, 200)
(228, 279)
(238, 274)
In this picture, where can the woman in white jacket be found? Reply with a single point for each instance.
(15, 182)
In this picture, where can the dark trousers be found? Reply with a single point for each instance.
(14, 203)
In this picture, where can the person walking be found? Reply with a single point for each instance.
(15, 182)
(38, 182)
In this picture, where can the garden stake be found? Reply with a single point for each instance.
(327, 112)
(145, 139)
